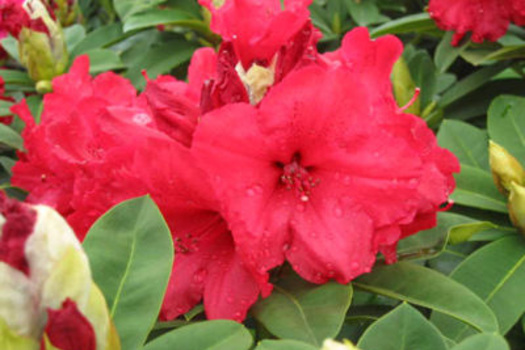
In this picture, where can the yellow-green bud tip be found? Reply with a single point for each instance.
(505, 168)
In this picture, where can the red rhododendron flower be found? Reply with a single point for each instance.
(325, 177)
(206, 265)
(258, 29)
(486, 19)
(69, 137)
(68, 329)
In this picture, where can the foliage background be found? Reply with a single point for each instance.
(458, 286)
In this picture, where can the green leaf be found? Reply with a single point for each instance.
(506, 125)
(153, 17)
(424, 74)
(414, 23)
(505, 53)
(10, 137)
(471, 83)
(446, 54)
(209, 335)
(103, 60)
(496, 273)
(12, 76)
(483, 342)
(10, 45)
(4, 108)
(7, 163)
(365, 13)
(131, 254)
(404, 328)
(284, 345)
(160, 59)
(99, 38)
(74, 35)
(126, 8)
(467, 142)
(428, 288)
(475, 188)
(309, 314)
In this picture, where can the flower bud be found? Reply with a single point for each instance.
(42, 52)
(505, 168)
(330, 344)
(405, 88)
(66, 11)
(516, 206)
(47, 295)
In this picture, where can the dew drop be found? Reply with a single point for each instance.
(354, 265)
(313, 234)
(347, 180)
(286, 247)
(229, 300)
(300, 208)
(141, 119)
(338, 212)
(305, 198)
(250, 192)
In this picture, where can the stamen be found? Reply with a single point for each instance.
(295, 177)
(417, 91)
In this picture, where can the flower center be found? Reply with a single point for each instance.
(297, 178)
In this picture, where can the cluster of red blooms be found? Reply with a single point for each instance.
(272, 152)
(485, 19)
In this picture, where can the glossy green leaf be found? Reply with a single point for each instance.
(505, 53)
(414, 23)
(467, 142)
(154, 17)
(475, 188)
(284, 345)
(428, 288)
(131, 253)
(365, 13)
(12, 76)
(496, 273)
(404, 328)
(483, 342)
(7, 163)
(102, 60)
(160, 59)
(446, 54)
(4, 108)
(74, 35)
(471, 83)
(310, 315)
(506, 124)
(209, 335)
(10, 137)
(126, 8)
(99, 38)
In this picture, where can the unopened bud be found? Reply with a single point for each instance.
(330, 344)
(66, 11)
(405, 88)
(505, 168)
(44, 54)
(516, 206)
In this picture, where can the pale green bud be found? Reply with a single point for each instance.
(43, 54)
(330, 344)
(505, 168)
(516, 206)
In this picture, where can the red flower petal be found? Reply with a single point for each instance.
(18, 226)
(257, 29)
(486, 19)
(68, 329)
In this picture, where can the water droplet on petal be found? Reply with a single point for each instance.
(286, 246)
(250, 192)
(300, 208)
(338, 212)
(305, 198)
(354, 265)
(347, 180)
(229, 300)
